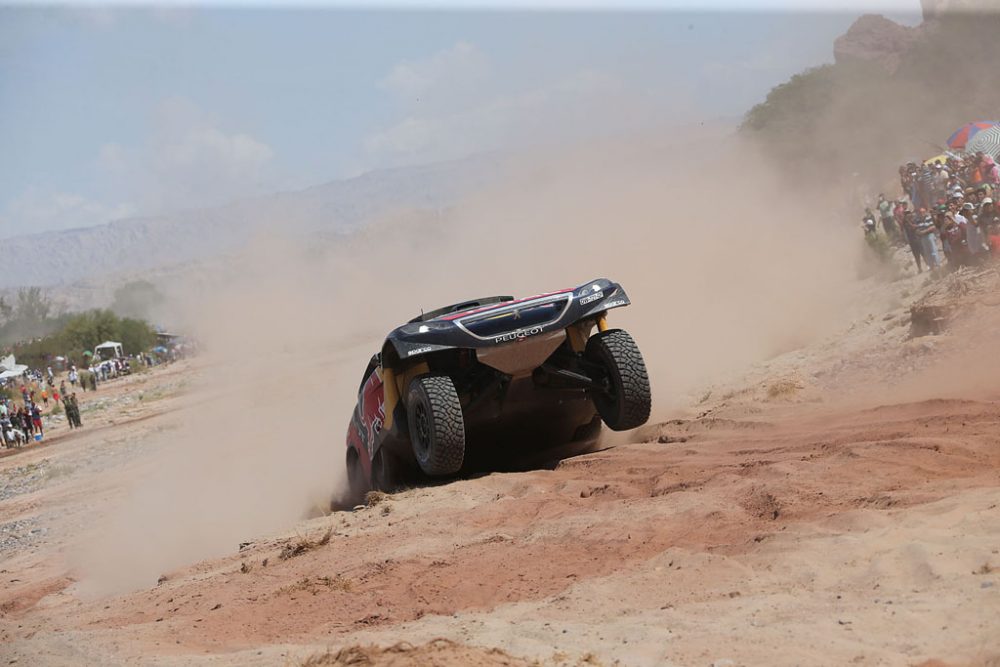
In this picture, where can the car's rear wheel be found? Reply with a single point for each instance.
(357, 481)
(384, 476)
(624, 400)
(437, 427)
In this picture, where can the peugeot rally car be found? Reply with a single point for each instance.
(489, 376)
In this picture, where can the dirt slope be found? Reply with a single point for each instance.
(838, 505)
(869, 536)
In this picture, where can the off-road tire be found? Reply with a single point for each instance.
(357, 482)
(626, 402)
(437, 427)
(384, 476)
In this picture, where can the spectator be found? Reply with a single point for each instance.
(72, 411)
(928, 235)
(974, 234)
(36, 419)
(76, 410)
(990, 172)
(888, 221)
(910, 230)
(953, 235)
(994, 238)
(27, 426)
(5, 427)
(868, 222)
(67, 406)
(925, 188)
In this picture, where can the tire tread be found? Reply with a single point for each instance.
(447, 452)
(618, 346)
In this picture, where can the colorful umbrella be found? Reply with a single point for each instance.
(987, 141)
(960, 137)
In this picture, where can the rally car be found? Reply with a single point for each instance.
(482, 378)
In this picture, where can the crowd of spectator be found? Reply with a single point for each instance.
(947, 213)
(21, 421)
(36, 393)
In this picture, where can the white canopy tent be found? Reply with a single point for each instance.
(9, 368)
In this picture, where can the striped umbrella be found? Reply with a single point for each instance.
(960, 138)
(987, 141)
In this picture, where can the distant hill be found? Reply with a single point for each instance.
(138, 244)
(894, 94)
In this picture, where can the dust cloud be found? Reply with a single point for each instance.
(725, 262)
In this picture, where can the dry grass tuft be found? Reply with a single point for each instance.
(986, 568)
(437, 652)
(302, 545)
(783, 387)
(315, 585)
(373, 498)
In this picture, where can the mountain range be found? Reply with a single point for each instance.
(128, 246)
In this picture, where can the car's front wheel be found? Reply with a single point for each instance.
(437, 427)
(624, 400)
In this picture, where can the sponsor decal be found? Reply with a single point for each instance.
(584, 300)
(376, 427)
(616, 302)
(520, 334)
(419, 350)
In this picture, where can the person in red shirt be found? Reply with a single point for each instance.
(989, 219)
(994, 239)
(953, 230)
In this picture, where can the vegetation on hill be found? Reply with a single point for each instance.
(83, 331)
(31, 328)
(858, 118)
(30, 314)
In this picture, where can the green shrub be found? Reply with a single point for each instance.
(84, 331)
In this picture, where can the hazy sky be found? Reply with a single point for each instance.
(113, 112)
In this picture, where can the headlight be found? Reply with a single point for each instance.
(592, 287)
(426, 327)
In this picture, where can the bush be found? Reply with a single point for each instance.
(84, 331)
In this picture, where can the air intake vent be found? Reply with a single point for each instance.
(512, 318)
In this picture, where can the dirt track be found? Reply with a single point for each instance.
(820, 511)
(869, 536)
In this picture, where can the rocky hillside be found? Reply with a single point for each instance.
(139, 244)
(894, 93)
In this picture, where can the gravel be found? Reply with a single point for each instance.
(17, 535)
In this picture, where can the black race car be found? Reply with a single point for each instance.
(485, 381)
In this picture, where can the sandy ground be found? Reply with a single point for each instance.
(807, 516)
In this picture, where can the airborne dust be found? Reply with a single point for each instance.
(725, 262)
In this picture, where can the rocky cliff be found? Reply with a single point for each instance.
(875, 39)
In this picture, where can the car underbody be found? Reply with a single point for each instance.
(496, 384)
